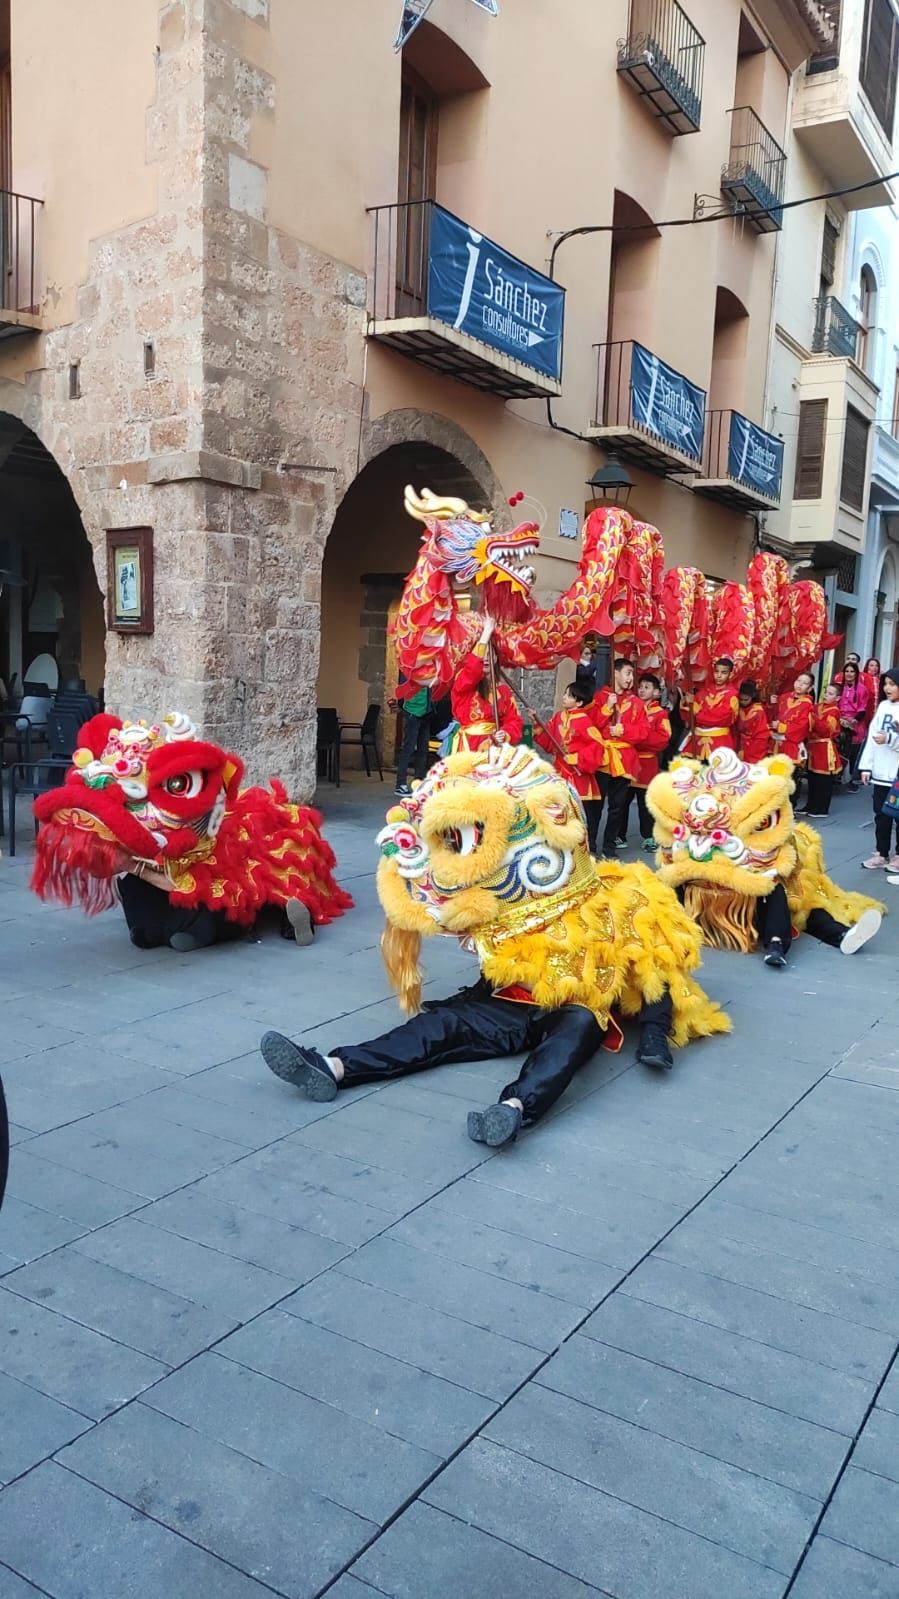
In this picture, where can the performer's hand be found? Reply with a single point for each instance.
(501, 736)
(617, 730)
(880, 738)
(487, 629)
(611, 700)
(865, 777)
(571, 760)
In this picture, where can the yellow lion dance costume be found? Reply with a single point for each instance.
(492, 849)
(729, 843)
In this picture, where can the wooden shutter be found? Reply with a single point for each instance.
(829, 252)
(416, 181)
(810, 450)
(855, 460)
(880, 54)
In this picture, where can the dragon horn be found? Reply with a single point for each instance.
(428, 507)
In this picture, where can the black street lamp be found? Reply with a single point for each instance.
(611, 482)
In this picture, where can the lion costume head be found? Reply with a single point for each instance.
(492, 848)
(727, 835)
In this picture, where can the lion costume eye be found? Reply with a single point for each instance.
(464, 840)
(769, 822)
(184, 785)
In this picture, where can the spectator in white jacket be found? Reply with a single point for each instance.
(878, 766)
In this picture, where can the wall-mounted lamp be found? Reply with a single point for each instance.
(611, 482)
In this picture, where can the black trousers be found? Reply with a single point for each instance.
(883, 825)
(414, 748)
(646, 821)
(772, 920)
(593, 813)
(152, 919)
(4, 1143)
(820, 793)
(615, 792)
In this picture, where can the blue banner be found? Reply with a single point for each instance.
(479, 289)
(754, 457)
(667, 404)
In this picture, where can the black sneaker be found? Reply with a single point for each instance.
(302, 1068)
(774, 954)
(653, 1049)
(496, 1125)
(403, 790)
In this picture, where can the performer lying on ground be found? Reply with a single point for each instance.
(492, 849)
(197, 859)
(745, 869)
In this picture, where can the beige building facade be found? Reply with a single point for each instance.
(218, 320)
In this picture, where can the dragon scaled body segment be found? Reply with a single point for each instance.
(157, 793)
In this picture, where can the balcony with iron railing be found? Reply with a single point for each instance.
(652, 413)
(19, 293)
(663, 58)
(742, 464)
(755, 174)
(836, 331)
(443, 294)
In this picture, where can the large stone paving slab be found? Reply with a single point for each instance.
(251, 1344)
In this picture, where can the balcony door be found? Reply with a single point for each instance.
(419, 119)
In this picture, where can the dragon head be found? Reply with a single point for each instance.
(725, 831)
(490, 836)
(463, 545)
(152, 791)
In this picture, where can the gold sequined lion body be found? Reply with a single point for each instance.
(727, 836)
(491, 848)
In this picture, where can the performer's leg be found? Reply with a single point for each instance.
(408, 748)
(561, 1041)
(646, 820)
(616, 792)
(146, 910)
(883, 826)
(471, 1026)
(656, 1025)
(422, 748)
(593, 813)
(772, 920)
(625, 814)
(820, 789)
(828, 930)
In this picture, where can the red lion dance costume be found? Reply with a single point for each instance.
(157, 797)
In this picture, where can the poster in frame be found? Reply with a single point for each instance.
(129, 586)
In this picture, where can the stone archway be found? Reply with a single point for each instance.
(51, 605)
(371, 548)
(887, 596)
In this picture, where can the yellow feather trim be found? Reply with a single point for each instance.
(809, 888)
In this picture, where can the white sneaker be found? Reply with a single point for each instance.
(864, 929)
(893, 878)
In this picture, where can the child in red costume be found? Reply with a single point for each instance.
(574, 730)
(754, 732)
(824, 760)
(794, 719)
(649, 751)
(472, 701)
(716, 709)
(621, 721)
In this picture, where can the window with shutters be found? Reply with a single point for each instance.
(810, 450)
(829, 255)
(867, 319)
(828, 59)
(419, 109)
(855, 460)
(879, 59)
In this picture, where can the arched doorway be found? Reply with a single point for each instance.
(371, 548)
(51, 605)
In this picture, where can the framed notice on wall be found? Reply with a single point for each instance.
(129, 579)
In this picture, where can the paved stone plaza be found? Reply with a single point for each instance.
(254, 1345)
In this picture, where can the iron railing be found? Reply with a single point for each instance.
(755, 174)
(836, 331)
(663, 57)
(18, 253)
(614, 404)
(399, 279)
(728, 457)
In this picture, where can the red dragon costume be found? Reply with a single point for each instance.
(159, 795)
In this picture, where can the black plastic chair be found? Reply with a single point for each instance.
(33, 777)
(63, 728)
(364, 736)
(15, 729)
(327, 744)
